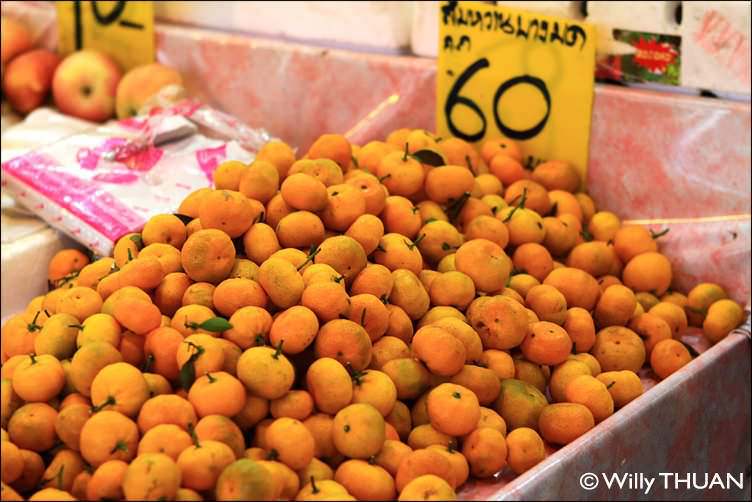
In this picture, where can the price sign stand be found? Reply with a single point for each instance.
(526, 76)
(123, 30)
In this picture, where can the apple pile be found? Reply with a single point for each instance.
(86, 84)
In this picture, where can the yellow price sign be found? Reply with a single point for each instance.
(123, 30)
(526, 76)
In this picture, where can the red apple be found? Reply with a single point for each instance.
(28, 78)
(15, 39)
(85, 84)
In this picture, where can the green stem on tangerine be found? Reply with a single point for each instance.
(107, 402)
(33, 326)
(521, 205)
(658, 235)
(119, 446)
(456, 206)
(194, 436)
(469, 164)
(311, 255)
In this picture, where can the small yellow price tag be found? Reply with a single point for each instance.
(123, 30)
(526, 76)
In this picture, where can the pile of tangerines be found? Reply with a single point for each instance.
(361, 323)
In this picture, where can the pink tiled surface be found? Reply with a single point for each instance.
(676, 161)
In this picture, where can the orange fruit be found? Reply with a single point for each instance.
(562, 423)
(260, 181)
(579, 288)
(164, 438)
(495, 146)
(624, 386)
(106, 481)
(151, 476)
(651, 328)
(345, 341)
(227, 210)
(233, 294)
(365, 481)
(723, 316)
(546, 343)
(668, 356)
(420, 463)
(265, 372)
(453, 409)
(38, 378)
(650, 272)
(486, 451)
(358, 431)
(291, 442)
(442, 353)
(108, 435)
(279, 154)
(119, 387)
(166, 229)
(297, 404)
(80, 302)
(245, 479)
(592, 393)
(427, 487)
(166, 409)
(674, 316)
(66, 263)
(329, 384)
(208, 256)
(217, 393)
(88, 361)
(201, 464)
(227, 175)
(223, 429)
(618, 348)
(486, 264)
(525, 449)
(250, 327)
(331, 146)
(375, 388)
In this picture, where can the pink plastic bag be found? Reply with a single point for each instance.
(103, 183)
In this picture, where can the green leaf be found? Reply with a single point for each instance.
(187, 375)
(455, 207)
(184, 218)
(137, 240)
(429, 157)
(215, 325)
(188, 371)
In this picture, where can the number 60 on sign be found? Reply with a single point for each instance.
(525, 76)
